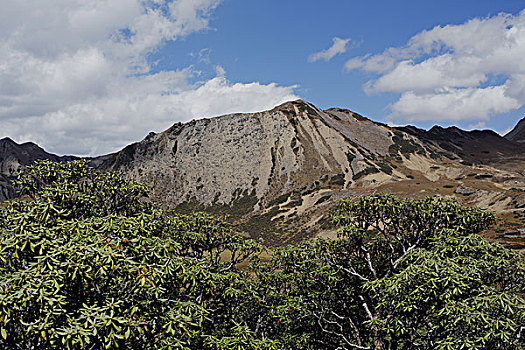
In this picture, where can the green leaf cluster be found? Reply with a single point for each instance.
(86, 262)
(404, 274)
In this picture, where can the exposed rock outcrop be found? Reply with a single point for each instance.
(277, 173)
(267, 163)
(264, 155)
(465, 191)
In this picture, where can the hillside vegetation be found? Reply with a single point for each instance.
(87, 263)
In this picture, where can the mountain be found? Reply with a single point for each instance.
(476, 146)
(277, 163)
(277, 173)
(14, 156)
(518, 133)
(262, 155)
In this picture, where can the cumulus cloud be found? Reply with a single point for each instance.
(110, 122)
(339, 46)
(469, 71)
(75, 78)
(454, 105)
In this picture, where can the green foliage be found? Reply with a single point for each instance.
(404, 273)
(87, 263)
(77, 188)
(462, 291)
(70, 278)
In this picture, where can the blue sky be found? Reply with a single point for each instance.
(101, 74)
(270, 41)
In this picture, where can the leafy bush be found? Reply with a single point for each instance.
(87, 263)
(461, 292)
(75, 187)
(403, 274)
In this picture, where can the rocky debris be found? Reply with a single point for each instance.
(465, 191)
(519, 201)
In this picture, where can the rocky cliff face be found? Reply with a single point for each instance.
(282, 163)
(262, 155)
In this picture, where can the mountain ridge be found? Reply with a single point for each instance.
(277, 172)
(517, 134)
(477, 146)
(283, 168)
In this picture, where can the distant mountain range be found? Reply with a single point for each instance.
(477, 146)
(277, 172)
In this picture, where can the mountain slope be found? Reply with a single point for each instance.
(476, 146)
(288, 147)
(271, 168)
(14, 156)
(518, 133)
(278, 173)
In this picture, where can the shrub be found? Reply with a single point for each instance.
(79, 273)
(86, 264)
(403, 274)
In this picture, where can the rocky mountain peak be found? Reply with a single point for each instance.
(292, 156)
(280, 171)
(518, 133)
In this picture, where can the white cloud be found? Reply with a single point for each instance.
(469, 71)
(119, 118)
(453, 105)
(74, 75)
(477, 126)
(431, 74)
(339, 46)
(219, 70)
(355, 63)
